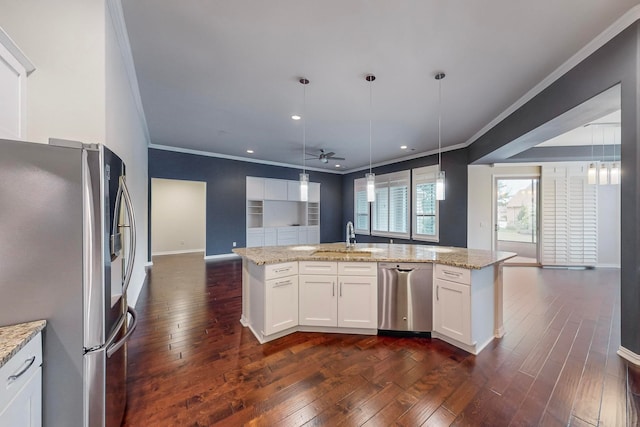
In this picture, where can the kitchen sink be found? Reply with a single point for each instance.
(337, 253)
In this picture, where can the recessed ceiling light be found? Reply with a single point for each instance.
(250, 151)
(337, 166)
(296, 117)
(403, 147)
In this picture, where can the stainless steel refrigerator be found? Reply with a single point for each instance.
(67, 245)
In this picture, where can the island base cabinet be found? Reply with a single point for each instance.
(358, 302)
(318, 300)
(281, 300)
(452, 310)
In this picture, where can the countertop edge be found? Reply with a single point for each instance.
(14, 337)
(491, 257)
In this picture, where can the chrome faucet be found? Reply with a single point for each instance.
(351, 234)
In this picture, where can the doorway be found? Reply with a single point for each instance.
(516, 213)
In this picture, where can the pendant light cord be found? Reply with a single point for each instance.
(304, 126)
(439, 124)
(370, 119)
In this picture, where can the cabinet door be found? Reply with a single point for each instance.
(275, 189)
(255, 238)
(281, 302)
(25, 409)
(314, 192)
(313, 235)
(318, 300)
(452, 310)
(255, 188)
(357, 302)
(270, 238)
(293, 191)
(287, 236)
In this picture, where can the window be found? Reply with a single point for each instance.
(361, 206)
(390, 211)
(425, 206)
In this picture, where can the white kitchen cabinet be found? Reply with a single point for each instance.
(255, 237)
(339, 294)
(314, 192)
(293, 191)
(270, 236)
(463, 306)
(255, 188)
(275, 189)
(281, 300)
(452, 310)
(21, 393)
(273, 205)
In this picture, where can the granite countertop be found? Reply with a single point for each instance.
(14, 337)
(375, 252)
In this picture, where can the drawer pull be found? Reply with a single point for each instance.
(284, 283)
(282, 270)
(18, 374)
(451, 273)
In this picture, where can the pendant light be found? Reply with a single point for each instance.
(614, 174)
(603, 173)
(440, 179)
(371, 177)
(592, 171)
(304, 176)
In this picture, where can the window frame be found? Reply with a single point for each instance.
(425, 174)
(387, 179)
(360, 186)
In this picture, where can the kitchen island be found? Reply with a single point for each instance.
(276, 284)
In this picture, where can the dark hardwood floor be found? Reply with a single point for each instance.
(191, 363)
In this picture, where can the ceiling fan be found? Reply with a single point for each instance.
(324, 157)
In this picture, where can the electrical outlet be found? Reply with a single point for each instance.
(234, 244)
(391, 241)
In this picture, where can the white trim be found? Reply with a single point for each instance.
(120, 28)
(17, 53)
(608, 266)
(184, 251)
(629, 355)
(241, 159)
(148, 264)
(600, 40)
(222, 256)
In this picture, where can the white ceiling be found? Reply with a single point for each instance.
(222, 76)
(604, 131)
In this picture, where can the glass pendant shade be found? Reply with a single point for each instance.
(614, 174)
(304, 187)
(592, 174)
(603, 175)
(440, 186)
(371, 187)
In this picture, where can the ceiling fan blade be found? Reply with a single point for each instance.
(337, 158)
(329, 154)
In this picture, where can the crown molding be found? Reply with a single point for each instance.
(629, 355)
(117, 18)
(239, 158)
(603, 38)
(17, 53)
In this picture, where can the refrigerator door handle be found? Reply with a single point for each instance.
(132, 234)
(115, 346)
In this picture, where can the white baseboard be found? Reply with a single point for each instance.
(629, 355)
(608, 266)
(222, 256)
(184, 251)
(148, 264)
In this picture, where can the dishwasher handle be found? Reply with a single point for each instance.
(404, 270)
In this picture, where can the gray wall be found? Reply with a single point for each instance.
(616, 62)
(226, 193)
(453, 210)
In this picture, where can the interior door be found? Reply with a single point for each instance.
(516, 216)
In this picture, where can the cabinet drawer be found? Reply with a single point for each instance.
(23, 365)
(274, 271)
(318, 267)
(453, 274)
(357, 268)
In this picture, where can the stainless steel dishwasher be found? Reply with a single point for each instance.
(405, 293)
